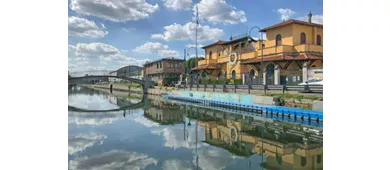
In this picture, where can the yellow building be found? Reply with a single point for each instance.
(283, 156)
(291, 54)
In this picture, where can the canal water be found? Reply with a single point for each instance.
(161, 134)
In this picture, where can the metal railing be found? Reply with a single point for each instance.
(264, 88)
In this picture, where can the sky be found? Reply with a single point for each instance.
(109, 34)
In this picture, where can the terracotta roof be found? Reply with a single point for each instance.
(219, 42)
(282, 58)
(206, 67)
(291, 21)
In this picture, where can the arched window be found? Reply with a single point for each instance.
(318, 159)
(318, 39)
(210, 53)
(279, 158)
(278, 40)
(303, 38)
(234, 74)
(303, 161)
(252, 73)
(263, 46)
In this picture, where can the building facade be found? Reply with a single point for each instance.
(162, 70)
(292, 53)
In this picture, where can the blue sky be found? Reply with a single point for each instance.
(109, 34)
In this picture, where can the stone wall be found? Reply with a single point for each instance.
(303, 103)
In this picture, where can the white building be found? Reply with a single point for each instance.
(111, 79)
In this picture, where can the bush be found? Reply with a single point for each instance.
(169, 80)
(238, 81)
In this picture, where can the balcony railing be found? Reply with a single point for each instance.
(307, 47)
(223, 59)
(207, 61)
(277, 49)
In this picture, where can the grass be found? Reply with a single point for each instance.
(293, 96)
(136, 85)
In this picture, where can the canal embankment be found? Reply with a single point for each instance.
(307, 101)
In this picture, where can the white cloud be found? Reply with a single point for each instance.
(187, 32)
(99, 55)
(128, 29)
(81, 27)
(218, 11)
(116, 159)
(173, 137)
(156, 47)
(314, 19)
(178, 4)
(96, 119)
(144, 121)
(285, 14)
(193, 45)
(80, 142)
(177, 165)
(114, 10)
(213, 158)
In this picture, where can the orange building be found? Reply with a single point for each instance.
(292, 53)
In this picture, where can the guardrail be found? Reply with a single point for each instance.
(265, 88)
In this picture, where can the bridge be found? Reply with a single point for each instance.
(145, 83)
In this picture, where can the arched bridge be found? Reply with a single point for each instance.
(144, 83)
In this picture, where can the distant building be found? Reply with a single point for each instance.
(131, 71)
(164, 71)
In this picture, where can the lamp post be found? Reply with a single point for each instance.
(186, 51)
(262, 48)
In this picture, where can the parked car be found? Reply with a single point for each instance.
(312, 82)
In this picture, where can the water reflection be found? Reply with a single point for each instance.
(168, 135)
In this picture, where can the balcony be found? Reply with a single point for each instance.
(247, 55)
(277, 49)
(207, 61)
(223, 59)
(307, 48)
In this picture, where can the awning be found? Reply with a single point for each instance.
(282, 58)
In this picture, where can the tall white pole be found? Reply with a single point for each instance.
(196, 39)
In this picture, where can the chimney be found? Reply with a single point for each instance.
(309, 17)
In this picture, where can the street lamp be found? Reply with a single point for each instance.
(186, 53)
(262, 48)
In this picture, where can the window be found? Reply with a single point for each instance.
(234, 74)
(318, 159)
(303, 38)
(278, 40)
(318, 39)
(263, 46)
(210, 54)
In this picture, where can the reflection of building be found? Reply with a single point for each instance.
(112, 99)
(163, 113)
(291, 50)
(282, 150)
(164, 70)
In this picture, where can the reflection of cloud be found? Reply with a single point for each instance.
(94, 102)
(177, 165)
(213, 158)
(174, 138)
(144, 121)
(80, 142)
(116, 159)
(90, 118)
